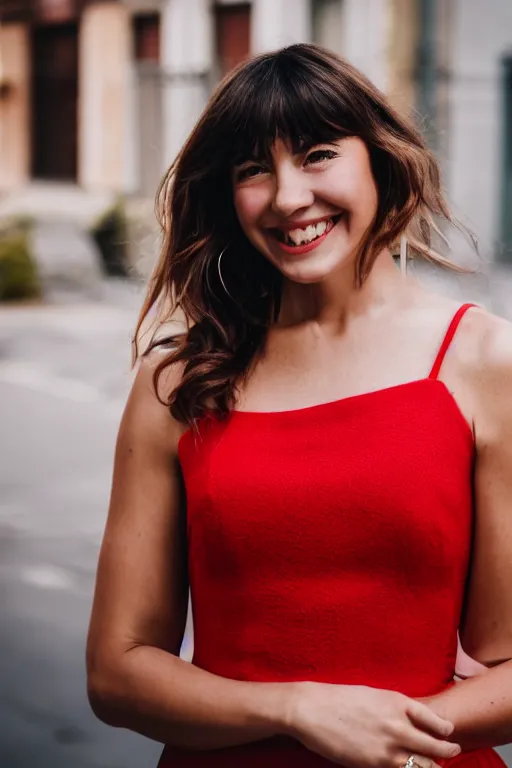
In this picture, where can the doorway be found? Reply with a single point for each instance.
(55, 102)
(233, 32)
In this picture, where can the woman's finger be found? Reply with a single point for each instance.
(421, 743)
(420, 761)
(423, 717)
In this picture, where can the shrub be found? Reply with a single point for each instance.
(18, 274)
(110, 235)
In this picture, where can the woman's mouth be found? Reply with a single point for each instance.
(303, 240)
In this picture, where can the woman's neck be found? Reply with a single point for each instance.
(334, 300)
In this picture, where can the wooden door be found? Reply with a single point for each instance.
(233, 32)
(55, 101)
(146, 37)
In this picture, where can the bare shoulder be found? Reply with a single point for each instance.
(484, 346)
(146, 414)
(483, 356)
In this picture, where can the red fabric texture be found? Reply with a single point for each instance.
(330, 543)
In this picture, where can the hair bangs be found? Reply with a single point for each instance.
(280, 101)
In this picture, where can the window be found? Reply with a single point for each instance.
(233, 35)
(146, 37)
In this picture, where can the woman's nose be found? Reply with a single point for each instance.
(292, 193)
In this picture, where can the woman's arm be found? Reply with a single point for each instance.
(465, 666)
(135, 678)
(481, 707)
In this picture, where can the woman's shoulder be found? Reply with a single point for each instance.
(483, 340)
(147, 414)
(152, 364)
(484, 344)
(163, 377)
(482, 357)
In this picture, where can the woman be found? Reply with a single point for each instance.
(326, 515)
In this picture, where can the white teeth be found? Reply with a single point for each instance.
(300, 236)
(297, 236)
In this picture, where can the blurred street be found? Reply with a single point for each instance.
(64, 375)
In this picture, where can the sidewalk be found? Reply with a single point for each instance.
(73, 347)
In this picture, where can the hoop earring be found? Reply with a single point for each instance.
(220, 274)
(404, 247)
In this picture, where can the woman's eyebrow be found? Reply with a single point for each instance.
(252, 158)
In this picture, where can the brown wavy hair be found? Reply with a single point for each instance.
(305, 95)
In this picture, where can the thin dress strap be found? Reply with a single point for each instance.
(450, 333)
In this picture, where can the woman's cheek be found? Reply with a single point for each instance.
(250, 204)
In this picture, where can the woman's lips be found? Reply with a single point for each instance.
(298, 250)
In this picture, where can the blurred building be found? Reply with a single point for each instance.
(103, 92)
(64, 105)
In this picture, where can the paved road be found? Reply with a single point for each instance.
(64, 375)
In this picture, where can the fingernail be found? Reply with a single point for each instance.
(456, 750)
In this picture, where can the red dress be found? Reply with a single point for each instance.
(330, 543)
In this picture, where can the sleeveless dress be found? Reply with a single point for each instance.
(330, 543)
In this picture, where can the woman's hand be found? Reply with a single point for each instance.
(363, 727)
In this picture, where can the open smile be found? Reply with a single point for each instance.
(301, 240)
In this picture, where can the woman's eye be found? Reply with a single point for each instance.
(248, 172)
(320, 154)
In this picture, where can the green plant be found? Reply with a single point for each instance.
(110, 234)
(18, 274)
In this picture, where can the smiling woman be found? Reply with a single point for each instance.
(334, 185)
(314, 457)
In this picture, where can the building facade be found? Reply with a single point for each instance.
(102, 93)
(64, 104)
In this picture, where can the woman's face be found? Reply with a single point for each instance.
(308, 212)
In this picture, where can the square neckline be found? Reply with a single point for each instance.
(351, 399)
(337, 401)
(310, 410)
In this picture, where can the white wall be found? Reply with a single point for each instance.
(186, 55)
(275, 23)
(481, 35)
(366, 38)
(104, 69)
(328, 24)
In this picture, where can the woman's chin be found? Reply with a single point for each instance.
(312, 271)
